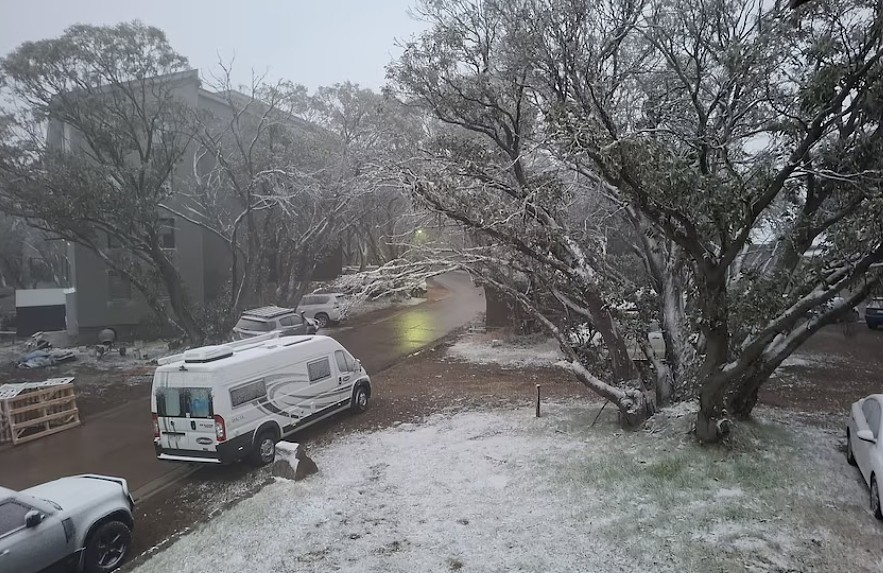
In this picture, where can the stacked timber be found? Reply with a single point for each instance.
(32, 410)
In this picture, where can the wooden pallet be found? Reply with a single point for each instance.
(32, 411)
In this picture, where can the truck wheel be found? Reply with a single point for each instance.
(322, 320)
(360, 399)
(264, 451)
(107, 547)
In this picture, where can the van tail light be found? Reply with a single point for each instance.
(155, 426)
(220, 429)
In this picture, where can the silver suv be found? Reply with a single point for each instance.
(287, 321)
(82, 522)
(325, 309)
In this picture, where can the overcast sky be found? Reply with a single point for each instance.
(311, 42)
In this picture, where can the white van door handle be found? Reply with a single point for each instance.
(344, 378)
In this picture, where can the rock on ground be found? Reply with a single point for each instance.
(292, 462)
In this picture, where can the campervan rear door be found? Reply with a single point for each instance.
(185, 411)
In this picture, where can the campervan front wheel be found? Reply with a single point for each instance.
(264, 449)
(360, 400)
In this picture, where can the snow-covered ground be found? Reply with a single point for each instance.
(86, 356)
(803, 360)
(508, 351)
(503, 491)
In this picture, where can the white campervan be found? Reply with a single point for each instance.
(221, 404)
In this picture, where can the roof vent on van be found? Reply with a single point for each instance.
(207, 354)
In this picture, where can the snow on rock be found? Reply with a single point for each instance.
(510, 352)
(292, 462)
(503, 491)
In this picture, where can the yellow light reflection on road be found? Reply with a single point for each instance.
(414, 329)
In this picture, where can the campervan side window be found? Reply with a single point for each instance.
(319, 370)
(248, 392)
(184, 403)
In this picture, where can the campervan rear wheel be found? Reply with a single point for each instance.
(264, 451)
(360, 400)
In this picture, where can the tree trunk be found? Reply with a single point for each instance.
(712, 421)
(624, 369)
(178, 298)
(643, 406)
(715, 323)
(712, 426)
(635, 406)
(664, 386)
(742, 402)
(743, 398)
(728, 397)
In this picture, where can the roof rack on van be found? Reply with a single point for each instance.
(268, 312)
(233, 347)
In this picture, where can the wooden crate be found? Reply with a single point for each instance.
(34, 410)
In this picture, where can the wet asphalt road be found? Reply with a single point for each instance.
(120, 441)
(383, 342)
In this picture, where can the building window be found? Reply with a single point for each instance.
(118, 286)
(167, 233)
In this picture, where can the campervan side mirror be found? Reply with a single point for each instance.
(33, 518)
(866, 436)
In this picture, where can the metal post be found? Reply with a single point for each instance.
(538, 400)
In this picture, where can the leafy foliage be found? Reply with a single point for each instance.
(732, 145)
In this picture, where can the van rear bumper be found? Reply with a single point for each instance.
(169, 457)
(227, 452)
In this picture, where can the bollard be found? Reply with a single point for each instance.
(538, 400)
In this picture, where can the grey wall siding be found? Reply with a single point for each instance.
(95, 309)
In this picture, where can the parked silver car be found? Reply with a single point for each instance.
(83, 523)
(864, 445)
(287, 321)
(325, 309)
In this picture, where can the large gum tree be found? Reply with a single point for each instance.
(733, 146)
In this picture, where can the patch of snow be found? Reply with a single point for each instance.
(10, 352)
(798, 360)
(685, 408)
(514, 352)
(503, 491)
(810, 361)
(137, 355)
